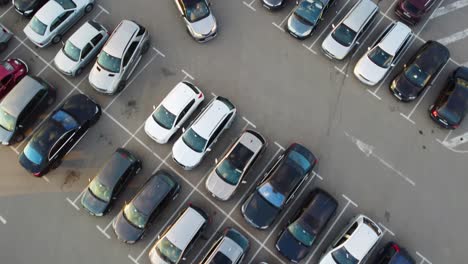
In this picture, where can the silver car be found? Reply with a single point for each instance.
(5, 36)
(81, 48)
(119, 57)
(200, 22)
(231, 248)
(54, 19)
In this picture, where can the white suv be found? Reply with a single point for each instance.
(384, 54)
(355, 244)
(197, 140)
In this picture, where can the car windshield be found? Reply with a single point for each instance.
(309, 12)
(344, 35)
(417, 76)
(462, 83)
(66, 120)
(37, 26)
(342, 256)
(228, 172)
(66, 4)
(71, 51)
(301, 234)
(196, 11)
(33, 155)
(109, 62)
(7, 66)
(194, 141)
(271, 195)
(7, 121)
(100, 190)
(135, 217)
(411, 8)
(163, 117)
(380, 57)
(220, 258)
(168, 251)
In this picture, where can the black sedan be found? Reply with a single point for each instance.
(393, 254)
(278, 187)
(296, 240)
(420, 71)
(306, 16)
(28, 7)
(109, 182)
(136, 217)
(451, 105)
(57, 136)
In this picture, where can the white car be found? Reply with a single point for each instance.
(229, 172)
(384, 54)
(355, 244)
(189, 150)
(173, 111)
(81, 48)
(51, 22)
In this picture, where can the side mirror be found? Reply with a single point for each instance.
(333, 26)
(154, 107)
(63, 43)
(404, 65)
(177, 126)
(184, 259)
(208, 149)
(159, 236)
(393, 64)
(216, 160)
(20, 126)
(297, 2)
(183, 129)
(89, 179)
(243, 182)
(368, 48)
(357, 42)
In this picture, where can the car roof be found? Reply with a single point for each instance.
(178, 98)
(395, 38)
(120, 38)
(433, 54)
(153, 193)
(230, 249)
(114, 168)
(252, 140)
(83, 35)
(362, 239)
(49, 12)
(210, 118)
(360, 14)
(318, 211)
(21, 95)
(187, 225)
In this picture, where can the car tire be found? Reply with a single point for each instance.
(19, 137)
(145, 47)
(3, 46)
(121, 86)
(56, 39)
(88, 8)
(78, 72)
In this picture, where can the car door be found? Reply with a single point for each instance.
(128, 60)
(97, 42)
(61, 23)
(31, 110)
(183, 115)
(86, 53)
(61, 146)
(5, 85)
(219, 129)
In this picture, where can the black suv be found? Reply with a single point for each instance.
(21, 107)
(109, 182)
(451, 105)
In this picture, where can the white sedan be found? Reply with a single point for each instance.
(173, 111)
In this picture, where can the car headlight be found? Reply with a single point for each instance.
(215, 27)
(393, 85)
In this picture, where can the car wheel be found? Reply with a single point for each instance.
(19, 137)
(88, 8)
(78, 72)
(145, 47)
(3, 46)
(57, 39)
(121, 86)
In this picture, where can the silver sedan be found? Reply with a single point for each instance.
(200, 22)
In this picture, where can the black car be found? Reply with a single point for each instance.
(28, 8)
(109, 182)
(296, 240)
(273, 4)
(279, 186)
(306, 16)
(136, 217)
(451, 105)
(21, 107)
(231, 247)
(420, 71)
(393, 254)
(57, 136)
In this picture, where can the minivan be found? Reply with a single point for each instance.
(346, 35)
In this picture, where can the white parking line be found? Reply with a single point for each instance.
(448, 8)
(159, 52)
(98, 14)
(283, 215)
(280, 26)
(6, 11)
(4, 221)
(187, 75)
(456, 141)
(104, 230)
(248, 122)
(13, 50)
(386, 230)
(162, 163)
(133, 135)
(454, 37)
(250, 5)
(45, 67)
(341, 70)
(349, 201)
(73, 203)
(103, 9)
(278, 144)
(427, 20)
(45, 178)
(423, 259)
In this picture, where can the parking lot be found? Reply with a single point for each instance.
(377, 156)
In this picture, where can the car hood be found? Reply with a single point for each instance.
(204, 26)
(219, 187)
(124, 230)
(290, 247)
(158, 133)
(102, 79)
(5, 136)
(185, 155)
(331, 46)
(64, 63)
(367, 69)
(259, 212)
(405, 87)
(327, 259)
(298, 27)
(155, 258)
(92, 204)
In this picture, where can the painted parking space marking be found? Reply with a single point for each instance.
(423, 259)
(249, 5)
(454, 142)
(103, 9)
(104, 230)
(187, 75)
(454, 37)
(341, 70)
(338, 217)
(280, 26)
(73, 202)
(6, 11)
(427, 20)
(449, 8)
(16, 47)
(278, 144)
(249, 123)
(159, 52)
(3, 220)
(386, 230)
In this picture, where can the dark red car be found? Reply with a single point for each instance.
(411, 11)
(11, 72)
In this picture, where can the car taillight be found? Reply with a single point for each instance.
(435, 114)
(37, 174)
(455, 126)
(200, 95)
(396, 247)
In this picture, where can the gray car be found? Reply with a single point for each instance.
(119, 57)
(200, 22)
(306, 16)
(231, 247)
(19, 109)
(5, 36)
(81, 48)
(54, 19)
